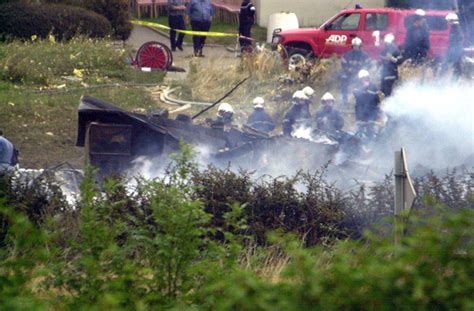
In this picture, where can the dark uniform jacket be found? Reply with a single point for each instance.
(455, 49)
(353, 61)
(220, 122)
(391, 58)
(417, 43)
(329, 120)
(367, 107)
(247, 14)
(297, 114)
(261, 121)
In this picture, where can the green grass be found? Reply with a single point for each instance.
(40, 92)
(258, 33)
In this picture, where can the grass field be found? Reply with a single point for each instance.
(40, 87)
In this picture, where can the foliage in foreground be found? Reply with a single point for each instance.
(156, 246)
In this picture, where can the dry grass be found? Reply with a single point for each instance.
(268, 78)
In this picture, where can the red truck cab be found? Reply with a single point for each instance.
(371, 25)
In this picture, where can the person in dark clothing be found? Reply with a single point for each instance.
(259, 119)
(328, 119)
(367, 107)
(246, 21)
(391, 59)
(352, 62)
(225, 117)
(417, 40)
(176, 10)
(298, 114)
(200, 13)
(456, 49)
(8, 154)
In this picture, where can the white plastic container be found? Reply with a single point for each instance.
(282, 20)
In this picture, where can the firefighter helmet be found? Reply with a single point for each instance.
(258, 102)
(225, 107)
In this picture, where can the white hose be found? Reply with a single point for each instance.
(165, 97)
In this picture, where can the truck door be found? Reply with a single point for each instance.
(374, 29)
(340, 32)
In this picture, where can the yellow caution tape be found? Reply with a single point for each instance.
(188, 32)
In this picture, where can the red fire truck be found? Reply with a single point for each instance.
(371, 25)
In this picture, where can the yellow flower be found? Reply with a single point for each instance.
(51, 38)
(34, 37)
(78, 73)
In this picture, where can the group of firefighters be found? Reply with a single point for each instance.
(328, 119)
(356, 78)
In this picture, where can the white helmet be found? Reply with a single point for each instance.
(389, 38)
(363, 74)
(225, 107)
(356, 41)
(258, 102)
(299, 95)
(452, 18)
(327, 97)
(420, 12)
(308, 91)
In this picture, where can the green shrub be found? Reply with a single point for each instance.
(22, 20)
(319, 214)
(117, 12)
(152, 246)
(431, 269)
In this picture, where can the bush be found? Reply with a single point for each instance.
(317, 215)
(116, 11)
(430, 269)
(151, 246)
(21, 20)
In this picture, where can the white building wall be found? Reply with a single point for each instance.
(309, 12)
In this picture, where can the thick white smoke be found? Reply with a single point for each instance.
(434, 122)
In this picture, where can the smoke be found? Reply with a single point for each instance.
(434, 122)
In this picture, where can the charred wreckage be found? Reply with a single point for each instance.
(114, 138)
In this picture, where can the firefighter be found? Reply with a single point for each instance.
(367, 107)
(246, 21)
(329, 119)
(352, 62)
(417, 40)
(298, 114)
(455, 50)
(391, 59)
(259, 119)
(225, 117)
(8, 156)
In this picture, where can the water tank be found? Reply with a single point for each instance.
(282, 20)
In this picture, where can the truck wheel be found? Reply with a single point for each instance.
(297, 59)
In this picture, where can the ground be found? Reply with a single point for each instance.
(39, 114)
